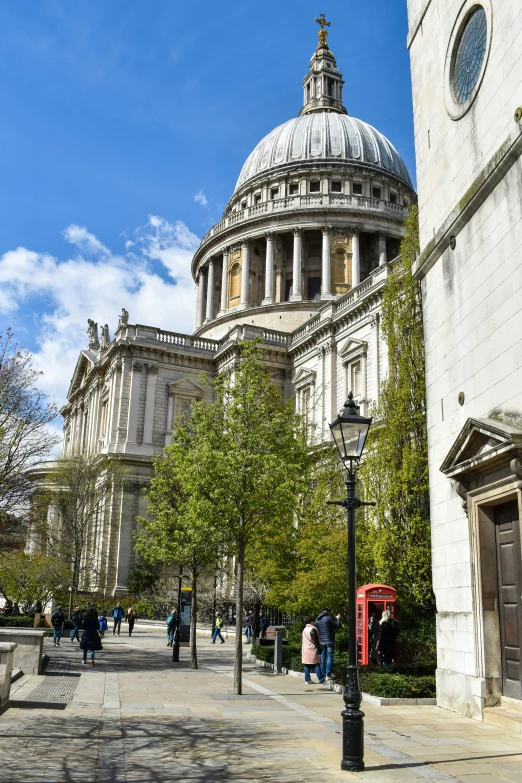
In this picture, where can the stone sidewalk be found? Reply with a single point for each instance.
(136, 716)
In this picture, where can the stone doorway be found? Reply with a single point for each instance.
(509, 566)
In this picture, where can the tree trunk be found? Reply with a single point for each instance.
(193, 618)
(238, 663)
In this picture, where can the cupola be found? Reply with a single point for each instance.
(323, 85)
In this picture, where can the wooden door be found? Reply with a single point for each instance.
(510, 601)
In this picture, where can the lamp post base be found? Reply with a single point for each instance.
(353, 740)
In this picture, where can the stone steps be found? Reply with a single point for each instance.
(508, 715)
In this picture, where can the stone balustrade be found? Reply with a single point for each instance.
(7, 650)
(314, 200)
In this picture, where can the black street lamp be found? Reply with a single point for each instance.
(349, 432)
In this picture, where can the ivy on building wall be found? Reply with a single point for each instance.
(395, 469)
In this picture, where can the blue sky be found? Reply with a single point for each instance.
(116, 115)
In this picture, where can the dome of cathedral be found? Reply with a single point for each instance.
(321, 136)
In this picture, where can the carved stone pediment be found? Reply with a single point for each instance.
(304, 377)
(185, 387)
(353, 348)
(482, 445)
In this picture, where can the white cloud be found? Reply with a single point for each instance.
(151, 279)
(200, 198)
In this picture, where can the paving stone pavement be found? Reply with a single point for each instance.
(136, 717)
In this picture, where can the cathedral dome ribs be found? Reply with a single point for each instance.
(318, 207)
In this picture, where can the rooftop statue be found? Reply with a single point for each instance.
(92, 332)
(123, 320)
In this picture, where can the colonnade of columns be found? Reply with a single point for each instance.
(205, 282)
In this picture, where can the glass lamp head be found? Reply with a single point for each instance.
(350, 431)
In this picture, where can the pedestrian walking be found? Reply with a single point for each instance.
(387, 644)
(77, 620)
(57, 621)
(255, 628)
(217, 629)
(172, 622)
(131, 618)
(263, 624)
(102, 624)
(374, 630)
(246, 626)
(327, 626)
(118, 613)
(90, 640)
(311, 652)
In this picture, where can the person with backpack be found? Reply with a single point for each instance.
(327, 626)
(118, 613)
(217, 629)
(57, 621)
(172, 624)
(102, 624)
(91, 635)
(311, 652)
(131, 618)
(77, 620)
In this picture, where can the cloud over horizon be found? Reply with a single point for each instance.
(54, 297)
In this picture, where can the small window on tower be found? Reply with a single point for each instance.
(336, 186)
(257, 198)
(376, 192)
(293, 189)
(315, 186)
(393, 198)
(274, 193)
(357, 188)
(243, 205)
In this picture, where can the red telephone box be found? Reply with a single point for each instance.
(371, 599)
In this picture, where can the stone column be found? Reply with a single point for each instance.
(364, 384)
(200, 301)
(170, 417)
(224, 282)
(134, 401)
(374, 347)
(245, 275)
(296, 274)
(356, 263)
(330, 381)
(210, 291)
(382, 249)
(279, 286)
(326, 264)
(269, 269)
(149, 403)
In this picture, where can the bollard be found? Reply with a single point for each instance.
(280, 633)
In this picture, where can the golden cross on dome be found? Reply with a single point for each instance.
(322, 34)
(322, 21)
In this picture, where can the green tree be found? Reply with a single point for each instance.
(25, 435)
(395, 469)
(31, 579)
(70, 513)
(178, 527)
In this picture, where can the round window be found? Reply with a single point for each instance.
(471, 50)
(467, 56)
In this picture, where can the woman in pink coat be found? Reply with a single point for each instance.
(311, 652)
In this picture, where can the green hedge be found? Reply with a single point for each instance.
(399, 681)
(397, 686)
(16, 621)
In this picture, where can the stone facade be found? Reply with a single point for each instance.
(469, 169)
(299, 260)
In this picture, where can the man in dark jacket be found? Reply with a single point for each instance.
(327, 626)
(263, 624)
(118, 613)
(77, 620)
(57, 621)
